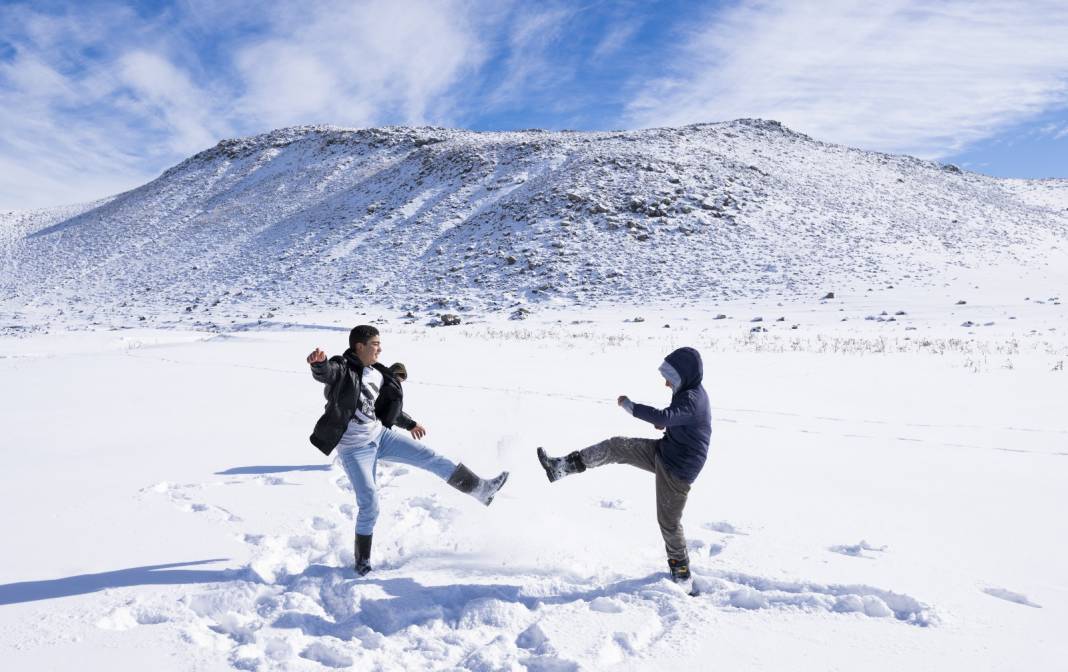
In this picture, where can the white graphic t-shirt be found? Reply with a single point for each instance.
(364, 426)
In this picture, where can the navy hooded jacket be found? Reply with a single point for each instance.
(688, 420)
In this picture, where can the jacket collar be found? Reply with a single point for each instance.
(355, 363)
(352, 359)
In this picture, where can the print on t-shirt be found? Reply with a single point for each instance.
(365, 410)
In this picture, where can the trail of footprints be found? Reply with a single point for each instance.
(298, 598)
(184, 497)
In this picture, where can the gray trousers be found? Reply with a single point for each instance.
(671, 492)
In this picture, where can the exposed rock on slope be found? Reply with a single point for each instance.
(427, 216)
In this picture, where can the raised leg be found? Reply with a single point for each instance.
(396, 447)
(639, 453)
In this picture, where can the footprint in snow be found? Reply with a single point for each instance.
(432, 508)
(178, 496)
(1010, 596)
(606, 605)
(697, 548)
(132, 615)
(341, 482)
(318, 523)
(326, 655)
(272, 480)
(857, 550)
(389, 474)
(722, 527)
(744, 591)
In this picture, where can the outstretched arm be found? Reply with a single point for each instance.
(680, 412)
(323, 369)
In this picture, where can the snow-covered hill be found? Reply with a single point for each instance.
(420, 218)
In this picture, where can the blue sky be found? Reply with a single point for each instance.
(99, 97)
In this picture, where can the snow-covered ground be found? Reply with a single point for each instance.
(880, 494)
(886, 482)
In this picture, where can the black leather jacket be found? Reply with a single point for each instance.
(342, 374)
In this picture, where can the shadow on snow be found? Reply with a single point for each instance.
(272, 469)
(149, 575)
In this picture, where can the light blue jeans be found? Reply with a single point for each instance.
(360, 463)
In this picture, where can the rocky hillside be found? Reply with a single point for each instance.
(416, 218)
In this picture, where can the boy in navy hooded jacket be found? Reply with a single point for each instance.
(676, 458)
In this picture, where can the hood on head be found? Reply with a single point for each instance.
(687, 363)
(671, 375)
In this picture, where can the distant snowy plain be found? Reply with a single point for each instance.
(885, 488)
(879, 495)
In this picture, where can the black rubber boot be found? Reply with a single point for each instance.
(680, 574)
(363, 554)
(680, 570)
(558, 467)
(466, 481)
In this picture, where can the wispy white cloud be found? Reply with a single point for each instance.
(1053, 130)
(41, 158)
(529, 66)
(614, 39)
(166, 96)
(98, 100)
(360, 63)
(899, 75)
(77, 129)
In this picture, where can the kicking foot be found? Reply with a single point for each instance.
(558, 467)
(485, 491)
(465, 480)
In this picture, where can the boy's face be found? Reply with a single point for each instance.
(368, 352)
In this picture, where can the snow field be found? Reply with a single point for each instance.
(861, 507)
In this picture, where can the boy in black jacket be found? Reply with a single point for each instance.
(354, 382)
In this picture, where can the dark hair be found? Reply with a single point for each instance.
(361, 334)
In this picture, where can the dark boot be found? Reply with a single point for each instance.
(465, 480)
(680, 570)
(558, 467)
(363, 554)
